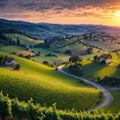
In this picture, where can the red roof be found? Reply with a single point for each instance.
(105, 56)
(9, 60)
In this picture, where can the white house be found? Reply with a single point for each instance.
(10, 62)
(107, 58)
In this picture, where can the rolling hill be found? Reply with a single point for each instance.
(46, 86)
(46, 30)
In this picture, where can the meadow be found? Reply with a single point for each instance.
(24, 39)
(114, 107)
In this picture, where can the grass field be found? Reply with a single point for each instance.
(24, 39)
(46, 86)
(10, 49)
(91, 69)
(115, 106)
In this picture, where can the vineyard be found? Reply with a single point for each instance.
(30, 111)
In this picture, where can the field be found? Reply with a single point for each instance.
(24, 39)
(115, 106)
(11, 49)
(92, 69)
(106, 46)
(61, 46)
(46, 86)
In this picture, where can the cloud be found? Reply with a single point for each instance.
(41, 5)
(42, 9)
(3, 3)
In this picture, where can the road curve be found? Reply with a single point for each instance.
(108, 98)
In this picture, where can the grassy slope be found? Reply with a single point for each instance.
(92, 69)
(115, 106)
(61, 57)
(104, 45)
(24, 39)
(45, 85)
(10, 49)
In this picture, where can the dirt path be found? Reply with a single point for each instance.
(107, 95)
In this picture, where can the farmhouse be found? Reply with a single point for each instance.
(107, 58)
(10, 62)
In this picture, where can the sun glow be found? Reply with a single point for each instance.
(118, 13)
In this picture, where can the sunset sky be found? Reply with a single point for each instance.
(106, 12)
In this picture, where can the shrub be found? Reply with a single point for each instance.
(1, 58)
(90, 50)
(17, 67)
(68, 52)
(46, 63)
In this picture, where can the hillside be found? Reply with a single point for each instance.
(46, 86)
(46, 30)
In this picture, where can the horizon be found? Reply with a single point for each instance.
(58, 23)
(104, 12)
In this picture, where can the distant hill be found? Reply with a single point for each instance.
(46, 30)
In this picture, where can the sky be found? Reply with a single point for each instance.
(105, 12)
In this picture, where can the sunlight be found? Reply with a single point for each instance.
(117, 13)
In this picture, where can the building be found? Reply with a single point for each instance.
(10, 62)
(107, 58)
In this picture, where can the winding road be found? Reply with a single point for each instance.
(107, 95)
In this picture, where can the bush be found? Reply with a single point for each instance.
(75, 59)
(76, 69)
(17, 67)
(90, 50)
(46, 63)
(1, 58)
(68, 52)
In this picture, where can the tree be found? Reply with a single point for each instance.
(76, 69)
(5, 58)
(1, 58)
(18, 41)
(10, 41)
(17, 67)
(96, 58)
(46, 63)
(75, 59)
(68, 52)
(90, 50)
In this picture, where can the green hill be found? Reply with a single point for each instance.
(46, 86)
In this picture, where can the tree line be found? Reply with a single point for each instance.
(9, 41)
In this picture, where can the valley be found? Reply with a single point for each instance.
(35, 73)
